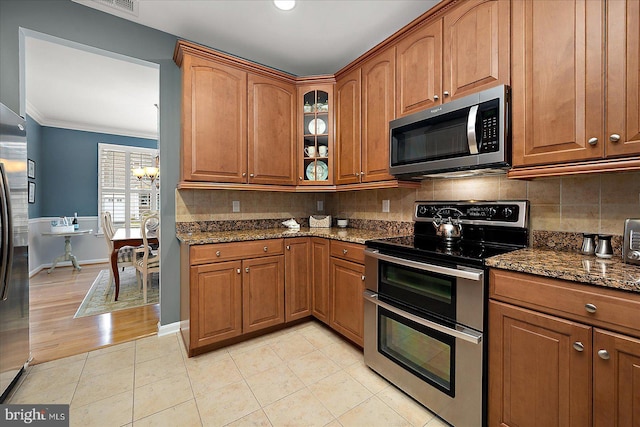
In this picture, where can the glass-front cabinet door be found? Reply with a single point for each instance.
(316, 145)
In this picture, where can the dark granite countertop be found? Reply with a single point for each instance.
(610, 273)
(353, 235)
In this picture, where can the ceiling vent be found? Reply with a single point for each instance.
(129, 7)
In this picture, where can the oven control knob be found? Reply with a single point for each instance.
(492, 212)
(422, 210)
(634, 255)
(507, 212)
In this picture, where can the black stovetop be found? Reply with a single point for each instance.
(481, 238)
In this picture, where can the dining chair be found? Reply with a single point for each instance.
(147, 260)
(125, 254)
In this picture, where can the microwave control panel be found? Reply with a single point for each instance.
(489, 140)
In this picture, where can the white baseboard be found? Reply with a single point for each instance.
(41, 267)
(171, 328)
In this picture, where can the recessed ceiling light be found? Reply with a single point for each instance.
(284, 4)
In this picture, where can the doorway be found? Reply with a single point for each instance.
(78, 97)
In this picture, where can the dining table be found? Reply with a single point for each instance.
(126, 237)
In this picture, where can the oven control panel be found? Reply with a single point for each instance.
(482, 212)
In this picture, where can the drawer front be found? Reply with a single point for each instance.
(217, 252)
(598, 306)
(348, 251)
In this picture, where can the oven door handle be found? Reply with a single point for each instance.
(462, 332)
(460, 272)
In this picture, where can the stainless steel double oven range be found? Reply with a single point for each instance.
(426, 302)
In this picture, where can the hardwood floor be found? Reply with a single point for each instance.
(54, 299)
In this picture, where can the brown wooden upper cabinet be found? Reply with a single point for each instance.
(214, 121)
(315, 140)
(272, 131)
(562, 64)
(364, 106)
(465, 51)
(238, 125)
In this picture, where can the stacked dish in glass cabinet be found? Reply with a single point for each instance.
(317, 141)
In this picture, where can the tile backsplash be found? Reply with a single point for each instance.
(596, 203)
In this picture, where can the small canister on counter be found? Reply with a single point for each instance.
(603, 248)
(588, 244)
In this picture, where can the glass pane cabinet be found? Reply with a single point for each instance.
(316, 156)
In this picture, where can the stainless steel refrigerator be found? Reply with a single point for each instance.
(14, 250)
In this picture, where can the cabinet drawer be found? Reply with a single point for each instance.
(608, 308)
(216, 252)
(349, 251)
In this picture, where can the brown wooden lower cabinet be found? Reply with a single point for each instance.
(297, 278)
(262, 293)
(346, 282)
(536, 377)
(320, 279)
(551, 363)
(216, 301)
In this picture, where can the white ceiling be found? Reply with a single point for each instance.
(315, 37)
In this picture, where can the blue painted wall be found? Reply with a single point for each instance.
(70, 169)
(34, 152)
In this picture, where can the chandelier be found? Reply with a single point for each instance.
(148, 172)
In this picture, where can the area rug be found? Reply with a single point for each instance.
(99, 299)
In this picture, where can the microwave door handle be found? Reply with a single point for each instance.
(471, 130)
(460, 331)
(6, 251)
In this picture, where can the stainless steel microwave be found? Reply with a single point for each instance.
(466, 136)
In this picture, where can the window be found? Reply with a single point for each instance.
(121, 193)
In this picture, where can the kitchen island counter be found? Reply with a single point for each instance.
(575, 267)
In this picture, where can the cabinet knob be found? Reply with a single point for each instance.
(614, 137)
(436, 97)
(446, 93)
(250, 175)
(217, 253)
(244, 174)
(361, 173)
(246, 270)
(300, 178)
(578, 346)
(238, 271)
(363, 278)
(593, 141)
(591, 308)
(344, 251)
(266, 248)
(603, 354)
(356, 174)
(288, 247)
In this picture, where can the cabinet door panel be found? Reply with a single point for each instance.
(216, 302)
(536, 377)
(419, 65)
(476, 47)
(272, 134)
(214, 122)
(557, 92)
(347, 156)
(378, 105)
(320, 278)
(616, 380)
(623, 77)
(347, 304)
(297, 278)
(262, 293)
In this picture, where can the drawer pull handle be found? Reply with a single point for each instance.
(344, 251)
(288, 247)
(591, 308)
(593, 141)
(614, 137)
(217, 253)
(363, 278)
(578, 346)
(238, 271)
(265, 248)
(604, 354)
(246, 270)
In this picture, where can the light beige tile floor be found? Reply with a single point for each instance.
(302, 376)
